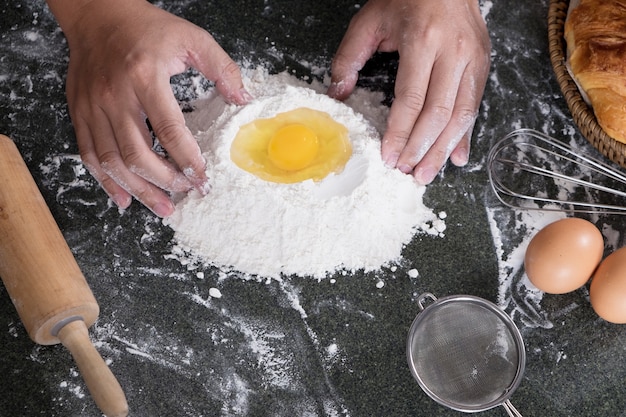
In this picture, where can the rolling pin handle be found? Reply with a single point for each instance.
(102, 384)
(61, 324)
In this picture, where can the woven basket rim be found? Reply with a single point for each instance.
(582, 114)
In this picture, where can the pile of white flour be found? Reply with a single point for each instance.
(269, 229)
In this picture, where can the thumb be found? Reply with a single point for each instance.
(215, 64)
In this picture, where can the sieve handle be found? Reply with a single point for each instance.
(423, 297)
(510, 410)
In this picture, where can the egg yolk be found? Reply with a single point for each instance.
(293, 146)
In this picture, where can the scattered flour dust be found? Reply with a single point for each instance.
(359, 219)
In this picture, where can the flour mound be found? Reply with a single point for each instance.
(271, 230)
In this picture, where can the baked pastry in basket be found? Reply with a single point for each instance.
(595, 33)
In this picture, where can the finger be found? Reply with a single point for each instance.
(119, 195)
(358, 45)
(169, 126)
(85, 142)
(436, 112)
(113, 166)
(412, 82)
(135, 145)
(455, 137)
(460, 155)
(164, 112)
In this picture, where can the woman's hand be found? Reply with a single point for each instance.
(122, 55)
(444, 51)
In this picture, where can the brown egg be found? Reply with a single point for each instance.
(562, 256)
(607, 292)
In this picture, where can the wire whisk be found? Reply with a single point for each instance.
(530, 170)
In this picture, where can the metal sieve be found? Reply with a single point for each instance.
(466, 353)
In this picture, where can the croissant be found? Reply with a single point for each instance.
(595, 34)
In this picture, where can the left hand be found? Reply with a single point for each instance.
(444, 51)
(122, 55)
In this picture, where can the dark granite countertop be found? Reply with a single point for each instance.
(297, 347)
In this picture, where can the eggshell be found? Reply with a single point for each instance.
(562, 256)
(607, 292)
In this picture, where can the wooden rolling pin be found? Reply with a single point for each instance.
(44, 281)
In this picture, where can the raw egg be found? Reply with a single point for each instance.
(607, 292)
(562, 256)
(291, 147)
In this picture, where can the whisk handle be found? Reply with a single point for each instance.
(510, 410)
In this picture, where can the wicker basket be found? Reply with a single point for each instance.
(582, 114)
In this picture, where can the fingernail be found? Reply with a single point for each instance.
(204, 187)
(405, 169)
(163, 210)
(460, 157)
(332, 90)
(200, 182)
(336, 89)
(392, 160)
(122, 201)
(425, 176)
(245, 96)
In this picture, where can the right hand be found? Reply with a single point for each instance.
(444, 51)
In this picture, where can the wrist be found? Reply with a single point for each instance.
(67, 12)
(71, 13)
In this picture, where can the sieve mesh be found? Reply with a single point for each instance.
(466, 354)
